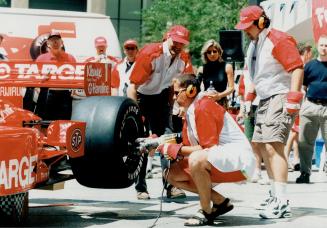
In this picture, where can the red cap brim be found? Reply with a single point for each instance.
(179, 40)
(243, 26)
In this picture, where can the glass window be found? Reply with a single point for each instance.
(112, 8)
(71, 5)
(129, 30)
(5, 3)
(130, 9)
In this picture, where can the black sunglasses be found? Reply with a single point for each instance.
(130, 48)
(177, 93)
(213, 51)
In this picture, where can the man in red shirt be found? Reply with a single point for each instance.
(55, 104)
(101, 46)
(214, 150)
(155, 67)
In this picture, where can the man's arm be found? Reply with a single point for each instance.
(131, 91)
(297, 80)
(294, 96)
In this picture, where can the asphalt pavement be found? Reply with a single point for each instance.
(78, 206)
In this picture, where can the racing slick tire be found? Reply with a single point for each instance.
(14, 209)
(39, 45)
(111, 159)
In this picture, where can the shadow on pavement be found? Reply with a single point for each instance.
(84, 213)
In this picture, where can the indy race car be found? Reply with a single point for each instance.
(97, 144)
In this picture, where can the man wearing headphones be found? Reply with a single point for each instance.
(214, 150)
(276, 70)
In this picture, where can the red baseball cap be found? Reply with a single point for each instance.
(179, 34)
(130, 42)
(54, 34)
(247, 16)
(100, 41)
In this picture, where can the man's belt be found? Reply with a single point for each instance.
(318, 101)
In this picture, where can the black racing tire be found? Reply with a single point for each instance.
(112, 125)
(39, 45)
(14, 209)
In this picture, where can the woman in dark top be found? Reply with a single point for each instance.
(216, 70)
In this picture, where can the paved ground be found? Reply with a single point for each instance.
(77, 206)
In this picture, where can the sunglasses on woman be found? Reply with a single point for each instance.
(212, 52)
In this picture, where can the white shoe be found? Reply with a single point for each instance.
(264, 204)
(277, 209)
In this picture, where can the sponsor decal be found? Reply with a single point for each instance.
(5, 111)
(17, 173)
(76, 140)
(97, 79)
(47, 74)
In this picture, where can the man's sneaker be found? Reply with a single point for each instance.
(304, 178)
(264, 204)
(277, 209)
(175, 193)
(143, 196)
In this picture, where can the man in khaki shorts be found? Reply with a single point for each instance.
(276, 71)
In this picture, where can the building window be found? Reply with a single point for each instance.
(126, 17)
(70, 5)
(5, 3)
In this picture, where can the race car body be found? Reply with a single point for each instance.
(98, 144)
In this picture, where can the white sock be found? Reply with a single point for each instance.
(272, 188)
(280, 189)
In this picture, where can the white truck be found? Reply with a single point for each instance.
(25, 31)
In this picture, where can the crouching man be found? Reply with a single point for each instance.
(214, 150)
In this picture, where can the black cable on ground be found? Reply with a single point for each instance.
(161, 200)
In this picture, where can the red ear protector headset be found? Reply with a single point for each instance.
(262, 22)
(191, 91)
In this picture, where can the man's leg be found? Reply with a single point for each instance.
(309, 127)
(277, 161)
(180, 179)
(140, 183)
(265, 156)
(200, 171)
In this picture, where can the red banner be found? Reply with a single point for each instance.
(319, 18)
(97, 79)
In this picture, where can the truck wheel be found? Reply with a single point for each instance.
(14, 209)
(111, 159)
(39, 45)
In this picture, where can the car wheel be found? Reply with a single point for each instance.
(39, 46)
(111, 159)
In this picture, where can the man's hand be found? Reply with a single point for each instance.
(248, 102)
(213, 95)
(293, 101)
(169, 151)
(147, 145)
